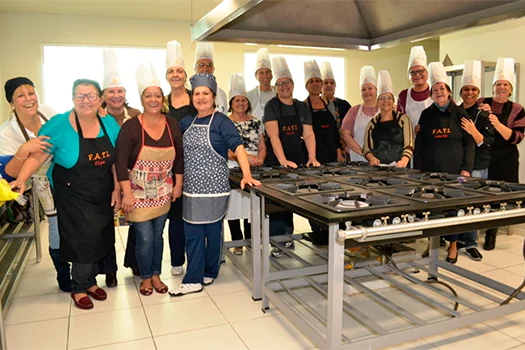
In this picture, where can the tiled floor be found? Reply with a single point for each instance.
(221, 317)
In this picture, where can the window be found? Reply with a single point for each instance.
(296, 65)
(64, 64)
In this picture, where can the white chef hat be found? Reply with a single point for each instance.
(437, 74)
(146, 77)
(504, 70)
(418, 57)
(471, 74)
(204, 50)
(367, 75)
(326, 70)
(262, 59)
(111, 74)
(311, 70)
(237, 85)
(280, 68)
(384, 83)
(174, 56)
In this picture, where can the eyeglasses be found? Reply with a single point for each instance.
(413, 73)
(90, 97)
(205, 64)
(283, 83)
(385, 98)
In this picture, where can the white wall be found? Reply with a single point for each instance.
(23, 35)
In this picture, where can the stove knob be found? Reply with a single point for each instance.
(411, 217)
(518, 204)
(425, 215)
(377, 223)
(460, 213)
(476, 211)
(486, 208)
(348, 225)
(503, 206)
(469, 210)
(404, 217)
(385, 220)
(396, 220)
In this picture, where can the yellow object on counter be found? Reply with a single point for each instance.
(6, 194)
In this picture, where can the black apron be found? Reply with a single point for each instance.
(388, 141)
(325, 130)
(291, 136)
(504, 156)
(83, 200)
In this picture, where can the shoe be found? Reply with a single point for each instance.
(63, 271)
(461, 246)
(490, 242)
(163, 289)
(207, 281)
(442, 242)
(187, 288)
(276, 252)
(237, 251)
(111, 280)
(83, 303)
(177, 270)
(474, 254)
(145, 291)
(452, 260)
(136, 272)
(290, 245)
(98, 294)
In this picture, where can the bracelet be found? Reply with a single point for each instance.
(17, 157)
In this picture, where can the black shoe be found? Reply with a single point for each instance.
(474, 254)
(452, 260)
(442, 242)
(490, 242)
(136, 272)
(63, 271)
(460, 245)
(111, 280)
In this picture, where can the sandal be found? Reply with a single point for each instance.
(163, 289)
(145, 291)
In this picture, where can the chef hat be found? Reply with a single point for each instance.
(311, 70)
(418, 57)
(204, 50)
(237, 86)
(262, 59)
(111, 74)
(504, 70)
(146, 77)
(368, 75)
(384, 83)
(204, 79)
(280, 68)
(471, 74)
(174, 56)
(326, 70)
(437, 74)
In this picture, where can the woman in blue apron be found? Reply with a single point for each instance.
(206, 187)
(84, 187)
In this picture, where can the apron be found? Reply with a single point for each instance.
(290, 134)
(40, 180)
(414, 108)
(83, 199)
(361, 121)
(206, 187)
(258, 108)
(151, 180)
(388, 141)
(504, 157)
(325, 129)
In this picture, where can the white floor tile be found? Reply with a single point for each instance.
(412, 345)
(107, 328)
(37, 285)
(143, 344)
(183, 316)
(157, 298)
(119, 298)
(239, 306)
(38, 308)
(501, 259)
(518, 270)
(216, 338)
(50, 334)
(124, 276)
(512, 325)
(230, 280)
(268, 333)
(474, 266)
(511, 279)
(44, 268)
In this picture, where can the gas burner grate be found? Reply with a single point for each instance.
(490, 186)
(352, 201)
(307, 187)
(432, 193)
(376, 181)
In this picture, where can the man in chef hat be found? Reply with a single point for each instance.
(204, 64)
(263, 93)
(114, 93)
(414, 100)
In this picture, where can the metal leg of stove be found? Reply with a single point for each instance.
(265, 304)
(336, 259)
(255, 214)
(434, 256)
(36, 211)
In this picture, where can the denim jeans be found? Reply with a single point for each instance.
(482, 174)
(54, 238)
(150, 244)
(177, 241)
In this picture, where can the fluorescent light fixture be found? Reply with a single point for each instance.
(251, 44)
(422, 39)
(363, 47)
(312, 47)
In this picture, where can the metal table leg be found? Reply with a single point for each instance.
(434, 256)
(36, 222)
(336, 258)
(265, 304)
(255, 214)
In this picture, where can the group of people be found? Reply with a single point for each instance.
(171, 160)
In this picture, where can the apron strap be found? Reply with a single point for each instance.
(23, 128)
(79, 128)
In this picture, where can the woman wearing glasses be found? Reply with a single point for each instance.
(388, 136)
(84, 186)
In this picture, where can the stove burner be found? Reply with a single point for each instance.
(376, 182)
(334, 171)
(433, 178)
(432, 193)
(306, 187)
(267, 173)
(491, 187)
(351, 201)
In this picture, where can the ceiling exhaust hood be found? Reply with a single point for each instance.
(351, 24)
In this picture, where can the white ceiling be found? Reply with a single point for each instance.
(176, 10)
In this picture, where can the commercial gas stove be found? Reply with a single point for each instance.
(375, 181)
(490, 187)
(434, 178)
(301, 187)
(431, 193)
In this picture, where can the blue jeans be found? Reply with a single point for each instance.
(482, 174)
(150, 244)
(177, 241)
(54, 238)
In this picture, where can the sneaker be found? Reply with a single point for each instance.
(474, 254)
(290, 245)
(207, 281)
(276, 252)
(237, 251)
(177, 270)
(186, 288)
(490, 242)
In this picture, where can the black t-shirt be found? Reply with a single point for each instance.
(481, 119)
(181, 112)
(271, 111)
